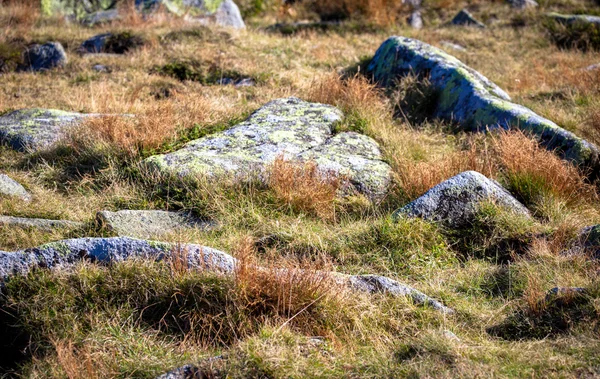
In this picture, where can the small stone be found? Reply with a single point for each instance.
(464, 18)
(593, 67)
(101, 68)
(523, 4)
(453, 46)
(100, 17)
(587, 242)
(455, 202)
(44, 57)
(149, 223)
(9, 187)
(96, 44)
(415, 20)
(228, 15)
(38, 223)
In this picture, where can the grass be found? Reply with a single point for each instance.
(139, 319)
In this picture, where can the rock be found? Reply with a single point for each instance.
(146, 224)
(43, 57)
(575, 19)
(101, 68)
(110, 250)
(289, 128)
(381, 284)
(454, 203)
(38, 223)
(470, 99)
(453, 46)
(415, 20)
(464, 18)
(593, 67)
(203, 369)
(35, 129)
(100, 17)
(228, 15)
(96, 44)
(118, 249)
(587, 242)
(523, 4)
(9, 187)
(245, 82)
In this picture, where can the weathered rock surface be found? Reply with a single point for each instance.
(465, 18)
(109, 250)
(220, 12)
(587, 242)
(453, 46)
(523, 4)
(574, 19)
(96, 44)
(118, 249)
(288, 128)
(203, 369)
(148, 223)
(9, 187)
(455, 202)
(384, 285)
(36, 128)
(44, 57)
(38, 223)
(470, 99)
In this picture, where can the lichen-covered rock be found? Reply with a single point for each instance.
(35, 129)
(148, 223)
(228, 15)
(100, 17)
(380, 284)
(465, 18)
(455, 202)
(523, 4)
(9, 187)
(110, 250)
(586, 242)
(96, 44)
(38, 223)
(44, 57)
(288, 128)
(473, 101)
(76, 8)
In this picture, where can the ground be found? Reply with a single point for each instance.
(141, 319)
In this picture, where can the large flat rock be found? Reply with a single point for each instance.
(41, 224)
(290, 128)
(149, 223)
(455, 202)
(36, 128)
(473, 101)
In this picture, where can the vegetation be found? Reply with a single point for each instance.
(140, 319)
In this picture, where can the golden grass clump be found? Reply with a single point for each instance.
(305, 188)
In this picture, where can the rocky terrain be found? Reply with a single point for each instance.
(292, 189)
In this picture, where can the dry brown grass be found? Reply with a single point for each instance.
(22, 14)
(285, 288)
(592, 131)
(521, 156)
(130, 134)
(305, 188)
(76, 363)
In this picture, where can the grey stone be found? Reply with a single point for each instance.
(290, 128)
(148, 223)
(587, 242)
(464, 18)
(575, 19)
(245, 82)
(35, 129)
(44, 57)
(9, 187)
(101, 68)
(228, 15)
(471, 100)
(381, 284)
(110, 250)
(558, 292)
(191, 371)
(523, 4)
(593, 67)
(38, 223)
(455, 202)
(96, 44)
(415, 20)
(100, 17)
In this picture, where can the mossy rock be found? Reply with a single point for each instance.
(289, 128)
(472, 101)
